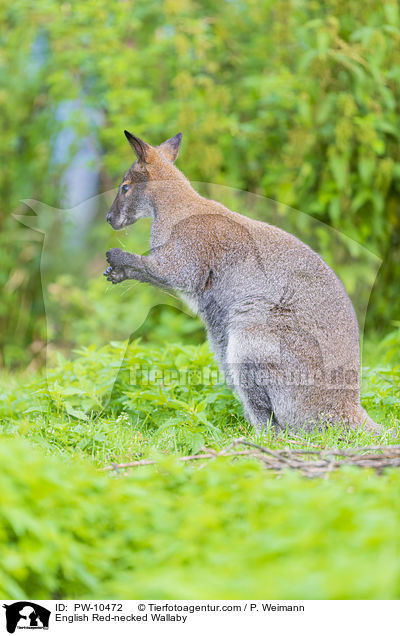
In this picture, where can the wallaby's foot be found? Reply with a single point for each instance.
(115, 272)
(364, 422)
(371, 426)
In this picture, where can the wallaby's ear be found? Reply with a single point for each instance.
(170, 148)
(140, 147)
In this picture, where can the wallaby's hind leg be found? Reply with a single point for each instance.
(248, 377)
(256, 401)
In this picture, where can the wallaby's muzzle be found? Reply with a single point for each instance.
(115, 223)
(118, 218)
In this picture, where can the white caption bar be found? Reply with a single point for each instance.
(308, 618)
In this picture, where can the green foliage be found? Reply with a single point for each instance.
(226, 531)
(382, 381)
(89, 312)
(104, 398)
(294, 100)
(123, 401)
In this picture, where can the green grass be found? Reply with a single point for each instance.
(94, 408)
(228, 530)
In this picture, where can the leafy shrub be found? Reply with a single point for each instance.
(119, 402)
(183, 402)
(231, 530)
(297, 101)
(382, 381)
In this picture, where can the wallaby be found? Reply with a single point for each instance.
(279, 321)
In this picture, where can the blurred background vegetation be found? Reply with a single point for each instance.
(297, 101)
(290, 113)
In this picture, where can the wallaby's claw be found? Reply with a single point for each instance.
(114, 272)
(114, 275)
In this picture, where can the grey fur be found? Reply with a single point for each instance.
(278, 319)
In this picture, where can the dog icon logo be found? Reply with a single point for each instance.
(26, 615)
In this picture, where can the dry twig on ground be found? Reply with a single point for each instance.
(310, 462)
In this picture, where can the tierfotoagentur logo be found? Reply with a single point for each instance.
(26, 615)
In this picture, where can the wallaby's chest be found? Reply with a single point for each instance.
(191, 301)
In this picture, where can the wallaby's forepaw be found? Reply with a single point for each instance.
(115, 257)
(115, 272)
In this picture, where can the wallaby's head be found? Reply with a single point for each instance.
(136, 194)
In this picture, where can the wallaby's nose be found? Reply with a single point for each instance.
(109, 218)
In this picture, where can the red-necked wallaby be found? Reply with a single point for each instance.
(279, 320)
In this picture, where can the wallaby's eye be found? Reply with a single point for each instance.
(125, 188)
